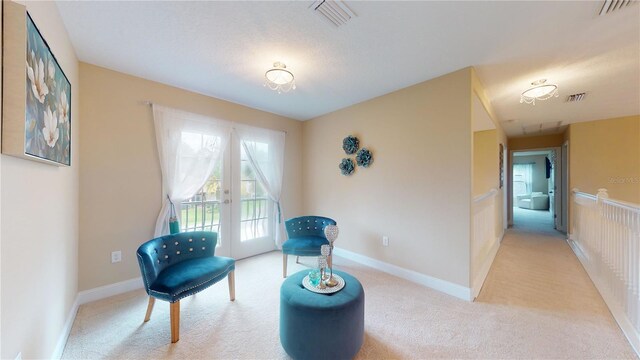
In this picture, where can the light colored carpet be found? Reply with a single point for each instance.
(533, 221)
(537, 303)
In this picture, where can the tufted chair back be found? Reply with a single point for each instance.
(157, 254)
(307, 226)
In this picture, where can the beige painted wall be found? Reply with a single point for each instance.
(39, 226)
(606, 154)
(485, 161)
(418, 189)
(486, 176)
(539, 176)
(120, 180)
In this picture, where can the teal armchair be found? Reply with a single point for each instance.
(306, 236)
(179, 265)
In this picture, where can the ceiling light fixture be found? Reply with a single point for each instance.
(539, 91)
(279, 78)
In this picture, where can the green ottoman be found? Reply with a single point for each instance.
(321, 326)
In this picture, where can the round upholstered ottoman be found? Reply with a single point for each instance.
(321, 326)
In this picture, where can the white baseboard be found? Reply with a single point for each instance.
(618, 313)
(87, 296)
(446, 287)
(106, 291)
(484, 270)
(66, 330)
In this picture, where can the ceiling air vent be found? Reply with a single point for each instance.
(610, 6)
(335, 12)
(576, 97)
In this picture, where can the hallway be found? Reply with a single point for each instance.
(536, 275)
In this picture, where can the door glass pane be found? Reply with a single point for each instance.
(202, 211)
(254, 212)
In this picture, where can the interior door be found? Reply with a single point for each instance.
(551, 188)
(563, 193)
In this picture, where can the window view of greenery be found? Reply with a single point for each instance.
(254, 213)
(202, 211)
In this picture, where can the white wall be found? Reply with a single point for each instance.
(39, 226)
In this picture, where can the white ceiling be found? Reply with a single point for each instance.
(222, 49)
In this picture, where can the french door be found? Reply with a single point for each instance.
(234, 204)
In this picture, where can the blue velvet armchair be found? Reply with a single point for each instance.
(306, 236)
(179, 265)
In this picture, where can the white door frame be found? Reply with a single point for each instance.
(561, 191)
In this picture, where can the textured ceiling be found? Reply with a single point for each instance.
(222, 49)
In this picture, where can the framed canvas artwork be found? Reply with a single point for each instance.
(48, 103)
(36, 94)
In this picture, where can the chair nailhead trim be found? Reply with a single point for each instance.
(193, 287)
(176, 243)
(164, 246)
(190, 249)
(204, 247)
(178, 252)
(190, 240)
(166, 256)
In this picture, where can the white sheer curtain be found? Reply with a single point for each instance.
(265, 152)
(189, 145)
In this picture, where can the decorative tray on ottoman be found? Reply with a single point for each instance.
(328, 290)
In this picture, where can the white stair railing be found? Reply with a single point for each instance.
(606, 237)
(484, 238)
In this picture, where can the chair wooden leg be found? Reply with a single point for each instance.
(175, 321)
(232, 285)
(284, 265)
(297, 259)
(152, 302)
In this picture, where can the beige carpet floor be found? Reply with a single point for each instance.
(537, 303)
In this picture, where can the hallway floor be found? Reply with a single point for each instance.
(534, 221)
(537, 303)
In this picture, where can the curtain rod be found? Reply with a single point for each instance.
(150, 103)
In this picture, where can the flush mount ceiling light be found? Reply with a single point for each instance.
(539, 91)
(279, 78)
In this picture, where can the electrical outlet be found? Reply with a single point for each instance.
(116, 257)
(385, 241)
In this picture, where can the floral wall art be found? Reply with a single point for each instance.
(364, 158)
(36, 94)
(48, 102)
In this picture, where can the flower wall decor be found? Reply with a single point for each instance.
(347, 166)
(47, 113)
(364, 158)
(350, 144)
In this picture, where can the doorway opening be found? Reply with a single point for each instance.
(537, 190)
